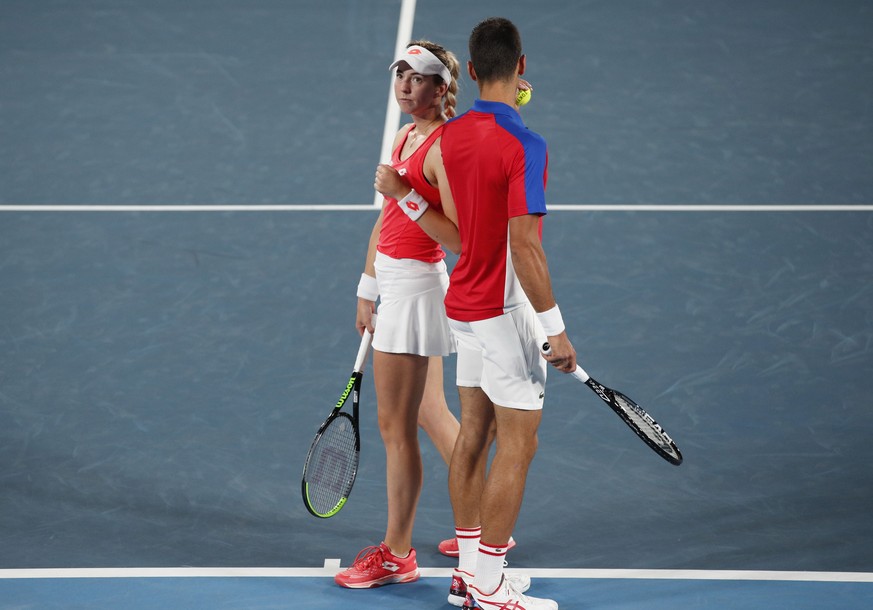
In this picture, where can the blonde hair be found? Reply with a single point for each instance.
(450, 101)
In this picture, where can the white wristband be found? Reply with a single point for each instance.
(413, 205)
(552, 322)
(368, 288)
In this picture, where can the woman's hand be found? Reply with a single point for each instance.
(390, 183)
(366, 316)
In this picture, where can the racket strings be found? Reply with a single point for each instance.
(644, 422)
(332, 466)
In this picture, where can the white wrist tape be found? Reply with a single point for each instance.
(552, 321)
(413, 205)
(368, 288)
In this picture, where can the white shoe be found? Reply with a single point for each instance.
(458, 590)
(506, 596)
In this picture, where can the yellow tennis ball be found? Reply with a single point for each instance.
(523, 97)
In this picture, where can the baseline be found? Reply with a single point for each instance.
(370, 208)
(332, 566)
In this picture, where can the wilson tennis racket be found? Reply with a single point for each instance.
(332, 462)
(633, 415)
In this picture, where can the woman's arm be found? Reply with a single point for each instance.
(366, 306)
(439, 227)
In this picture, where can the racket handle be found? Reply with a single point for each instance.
(366, 337)
(579, 373)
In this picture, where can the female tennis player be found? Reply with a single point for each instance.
(405, 266)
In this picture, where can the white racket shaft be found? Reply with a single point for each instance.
(580, 374)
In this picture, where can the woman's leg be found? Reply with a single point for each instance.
(400, 381)
(434, 416)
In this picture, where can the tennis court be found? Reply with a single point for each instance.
(184, 208)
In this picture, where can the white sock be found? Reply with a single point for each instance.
(468, 548)
(489, 567)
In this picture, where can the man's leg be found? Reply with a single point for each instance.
(504, 490)
(504, 487)
(470, 457)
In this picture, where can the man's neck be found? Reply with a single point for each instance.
(498, 91)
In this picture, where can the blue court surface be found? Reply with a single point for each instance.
(427, 593)
(185, 202)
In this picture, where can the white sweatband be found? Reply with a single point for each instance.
(368, 288)
(552, 322)
(413, 205)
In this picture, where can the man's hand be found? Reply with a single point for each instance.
(562, 355)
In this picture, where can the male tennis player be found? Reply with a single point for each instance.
(496, 176)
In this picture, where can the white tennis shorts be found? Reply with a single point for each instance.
(412, 317)
(501, 355)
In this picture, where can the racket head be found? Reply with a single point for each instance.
(331, 465)
(640, 422)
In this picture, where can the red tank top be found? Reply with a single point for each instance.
(401, 237)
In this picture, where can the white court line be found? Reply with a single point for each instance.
(369, 208)
(331, 567)
(188, 208)
(710, 208)
(392, 110)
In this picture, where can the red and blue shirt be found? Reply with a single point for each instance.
(497, 169)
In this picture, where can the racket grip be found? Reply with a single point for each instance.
(579, 373)
(364, 348)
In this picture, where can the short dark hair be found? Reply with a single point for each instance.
(495, 48)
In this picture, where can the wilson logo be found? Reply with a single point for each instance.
(346, 392)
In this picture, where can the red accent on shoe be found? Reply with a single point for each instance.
(458, 588)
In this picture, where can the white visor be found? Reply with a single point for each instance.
(423, 62)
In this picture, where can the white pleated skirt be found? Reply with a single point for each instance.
(412, 316)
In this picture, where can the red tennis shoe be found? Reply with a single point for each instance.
(376, 566)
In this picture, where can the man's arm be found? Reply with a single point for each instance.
(531, 267)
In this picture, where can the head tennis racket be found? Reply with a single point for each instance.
(633, 415)
(332, 462)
